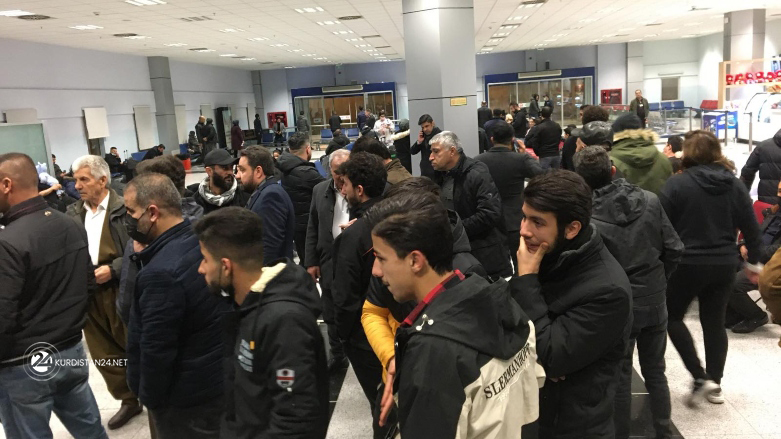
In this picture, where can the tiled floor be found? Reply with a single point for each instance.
(752, 387)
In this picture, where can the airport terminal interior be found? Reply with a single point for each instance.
(119, 78)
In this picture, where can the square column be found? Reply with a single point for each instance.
(165, 113)
(744, 39)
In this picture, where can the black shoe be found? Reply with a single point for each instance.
(126, 412)
(338, 363)
(750, 325)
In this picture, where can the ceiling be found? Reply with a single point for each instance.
(290, 38)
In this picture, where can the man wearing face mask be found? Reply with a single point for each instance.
(219, 188)
(175, 332)
(277, 376)
(102, 212)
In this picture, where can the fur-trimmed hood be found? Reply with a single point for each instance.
(640, 134)
(400, 135)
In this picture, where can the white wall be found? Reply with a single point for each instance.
(612, 68)
(711, 53)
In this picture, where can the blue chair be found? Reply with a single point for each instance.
(667, 105)
(326, 134)
(138, 156)
(678, 105)
(353, 132)
(267, 138)
(320, 168)
(653, 106)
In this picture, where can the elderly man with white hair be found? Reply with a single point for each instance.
(102, 211)
(329, 210)
(469, 189)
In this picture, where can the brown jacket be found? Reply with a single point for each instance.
(396, 172)
(770, 286)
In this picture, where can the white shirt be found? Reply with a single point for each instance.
(341, 213)
(93, 222)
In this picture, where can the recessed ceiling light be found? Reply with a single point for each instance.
(295, 50)
(308, 54)
(289, 67)
(247, 59)
(487, 49)
(145, 2)
(309, 10)
(258, 39)
(14, 13)
(230, 29)
(327, 23)
(501, 35)
(370, 50)
(688, 36)
(531, 4)
(596, 41)
(670, 30)
(352, 40)
(635, 40)
(375, 54)
(229, 54)
(86, 27)
(540, 45)
(574, 28)
(138, 37)
(202, 50)
(278, 45)
(495, 41)
(551, 40)
(363, 45)
(342, 32)
(518, 18)
(508, 27)
(320, 59)
(175, 45)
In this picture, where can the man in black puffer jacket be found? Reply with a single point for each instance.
(467, 188)
(174, 345)
(299, 178)
(624, 213)
(766, 158)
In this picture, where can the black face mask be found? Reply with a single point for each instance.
(131, 225)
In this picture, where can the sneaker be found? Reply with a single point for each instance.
(750, 325)
(716, 397)
(700, 390)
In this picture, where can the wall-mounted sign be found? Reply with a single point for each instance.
(457, 102)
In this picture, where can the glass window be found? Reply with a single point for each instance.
(670, 89)
(526, 90)
(500, 95)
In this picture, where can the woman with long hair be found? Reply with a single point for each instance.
(707, 205)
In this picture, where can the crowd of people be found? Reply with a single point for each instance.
(494, 296)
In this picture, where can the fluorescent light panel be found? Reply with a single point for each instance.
(14, 13)
(247, 59)
(342, 32)
(327, 23)
(137, 37)
(309, 10)
(278, 45)
(230, 30)
(518, 18)
(258, 39)
(86, 27)
(229, 54)
(175, 45)
(145, 2)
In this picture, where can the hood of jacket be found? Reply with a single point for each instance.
(635, 147)
(404, 125)
(460, 240)
(618, 203)
(400, 135)
(284, 281)
(713, 179)
(287, 162)
(468, 314)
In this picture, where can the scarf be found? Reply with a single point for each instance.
(217, 200)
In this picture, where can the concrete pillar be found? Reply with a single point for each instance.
(744, 39)
(258, 90)
(439, 47)
(165, 113)
(635, 70)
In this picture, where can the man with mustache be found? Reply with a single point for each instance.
(219, 188)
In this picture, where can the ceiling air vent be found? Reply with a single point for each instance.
(350, 17)
(201, 18)
(371, 36)
(381, 47)
(34, 17)
(533, 2)
(126, 36)
(654, 24)
(268, 62)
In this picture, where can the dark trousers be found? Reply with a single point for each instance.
(513, 242)
(299, 238)
(198, 422)
(740, 306)
(337, 351)
(651, 345)
(279, 140)
(711, 285)
(368, 370)
(552, 162)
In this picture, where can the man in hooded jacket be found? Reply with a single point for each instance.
(623, 213)
(635, 155)
(766, 158)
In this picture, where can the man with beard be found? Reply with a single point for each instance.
(269, 201)
(175, 332)
(423, 146)
(219, 188)
(278, 383)
(580, 301)
(363, 185)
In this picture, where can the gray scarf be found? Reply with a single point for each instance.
(217, 200)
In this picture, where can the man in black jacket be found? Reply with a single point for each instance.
(175, 332)
(466, 351)
(520, 122)
(588, 113)
(157, 151)
(423, 145)
(199, 131)
(624, 213)
(544, 139)
(277, 377)
(299, 177)
(580, 301)
(114, 161)
(335, 122)
(219, 188)
(339, 141)
(370, 120)
(509, 171)
(363, 185)
(329, 210)
(483, 114)
(258, 126)
(489, 126)
(209, 137)
(766, 158)
(467, 188)
(47, 278)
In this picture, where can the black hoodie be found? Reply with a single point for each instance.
(766, 158)
(299, 178)
(707, 205)
(279, 386)
(467, 365)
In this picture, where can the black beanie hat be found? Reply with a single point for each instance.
(628, 121)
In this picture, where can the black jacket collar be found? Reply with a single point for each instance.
(148, 253)
(22, 209)
(359, 210)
